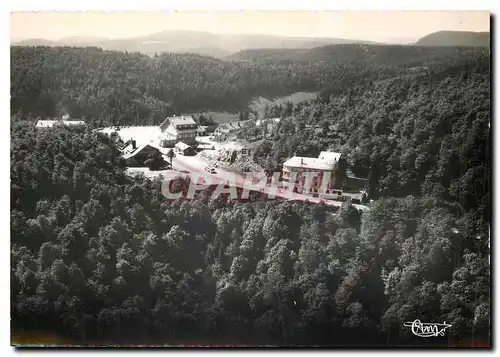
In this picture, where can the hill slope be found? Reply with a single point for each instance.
(456, 38)
(131, 88)
(355, 53)
(204, 43)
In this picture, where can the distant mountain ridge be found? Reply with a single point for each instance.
(203, 43)
(254, 46)
(455, 38)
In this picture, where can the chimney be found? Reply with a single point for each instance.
(301, 161)
(133, 145)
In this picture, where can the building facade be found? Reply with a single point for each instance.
(341, 185)
(138, 156)
(176, 129)
(231, 127)
(318, 169)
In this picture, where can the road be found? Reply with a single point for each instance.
(192, 164)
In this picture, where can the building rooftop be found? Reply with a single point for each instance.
(182, 146)
(242, 123)
(142, 147)
(128, 149)
(330, 156)
(309, 162)
(179, 121)
(51, 123)
(269, 121)
(205, 146)
(226, 128)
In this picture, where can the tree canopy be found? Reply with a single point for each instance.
(97, 255)
(125, 88)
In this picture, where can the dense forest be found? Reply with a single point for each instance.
(100, 256)
(117, 88)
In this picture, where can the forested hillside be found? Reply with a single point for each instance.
(371, 55)
(456, 38)
(423, 134)
(100, 257)
(117, 88)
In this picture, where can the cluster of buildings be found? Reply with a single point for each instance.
(179, 134)
(341, 183)
(42, 124)
(233, 128)
(176, 133)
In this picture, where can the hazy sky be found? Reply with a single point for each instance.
(391, 26)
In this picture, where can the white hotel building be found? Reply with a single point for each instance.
(326, 163)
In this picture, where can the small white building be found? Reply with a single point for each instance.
(269, 121)
(42, 124)
(183, 148)
(205, 147)
(227, 128)
(231, 127)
